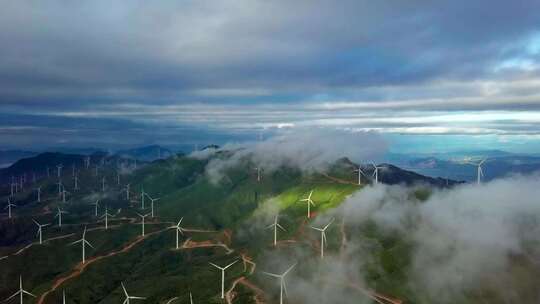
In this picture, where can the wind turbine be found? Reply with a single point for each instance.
(38, 194)
(479, 171)
(223, 276)
(323, 235)
(76, 179)
(59, 216)
(48, 172)
(128, 297)
(179, 230)
(127, 191)
(40, 230)
(60, 185)
(376, 172)
(87, 162)
(63, 297)
(96, 208)
(142, 221)
(118, 178)
(59, 169)
(143, 194)
(152, 203)
(21, 292)
(8, 207)
(281, 277)
(275, 225)
(360, 172)
(258, 169)
(309, 202)
(83, 242)
(106, 216)
(73, 170)
(64, 195)
(103, 184)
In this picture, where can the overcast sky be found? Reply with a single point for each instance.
(121, 73)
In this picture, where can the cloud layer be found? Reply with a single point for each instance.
(224, 69)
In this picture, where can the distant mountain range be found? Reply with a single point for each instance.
(457, 165)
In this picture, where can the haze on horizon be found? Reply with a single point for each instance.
(428, 76)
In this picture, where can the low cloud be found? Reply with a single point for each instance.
(304, 149)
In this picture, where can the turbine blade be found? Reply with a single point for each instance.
(215, 265)
(230, 264)
(14, 295)
(28, 293)
(137, 298)
(279, 226)
(290, 268)
(272, 274)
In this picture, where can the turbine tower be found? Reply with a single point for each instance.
(479, 170)
(96, 204)
(40, 230)
(59, 216)
(59, 170)
(281, 277)
(258, 169)
(152, 200)
(376, 172)
(106, 217)
(143, 194)
(309, 202)
(76, 180)
(323, 235)
(60, 186)
(128, 297)
(21, 292)
(223, 276)
(179, 230)
(142, 221)
(9, 206)
(127, 192)
(275, 225)
(38, 189)
(360, 172)
(103, 184)
(83, 242)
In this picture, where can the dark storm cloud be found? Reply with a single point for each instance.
(131, 63)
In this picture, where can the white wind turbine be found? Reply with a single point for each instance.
(127, 192)
(275, 225)
(63, 297)
(60, 186)
(38, 189)
(96, 204)
(376, 172)
(64, 195)
(9, 206)
(179, 230)
(48, 172)
(118, 178)
(309, 202)
(72, 170)
(128, 297)
(223, 276)
(323, 236)
(152, 200)
(87, 162)
(281, 277)
(360, 172)
(59, 169)
(479, 170)
(21, 292)
(143, 194)
(83, 242)
(258, 169)
(40, 230)
(59, 215)
(76, 180)
(106, 217)
(103, 184)
(142, 221)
